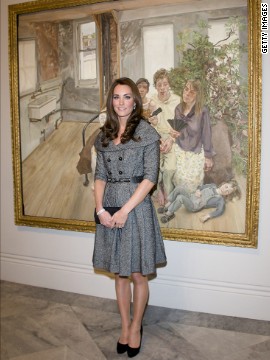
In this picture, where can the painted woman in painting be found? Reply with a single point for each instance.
(193, 143)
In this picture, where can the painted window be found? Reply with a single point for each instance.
(86, 65)
(27, 66)
(158, 48)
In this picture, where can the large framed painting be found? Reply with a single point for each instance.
(63, 57)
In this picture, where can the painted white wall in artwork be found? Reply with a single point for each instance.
(158, 49)
(198, 277)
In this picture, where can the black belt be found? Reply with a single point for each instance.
(133, 179)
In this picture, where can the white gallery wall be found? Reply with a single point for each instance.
(198, 277)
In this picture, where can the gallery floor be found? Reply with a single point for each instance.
(44, 324)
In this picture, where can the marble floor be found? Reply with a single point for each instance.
(44, 324)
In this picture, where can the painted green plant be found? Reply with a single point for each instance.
(222, 69)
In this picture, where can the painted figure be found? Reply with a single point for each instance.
(149, 106)
(205, 197)
(193, 143)
(167, 101)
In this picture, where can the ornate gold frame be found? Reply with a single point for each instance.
(246, 239)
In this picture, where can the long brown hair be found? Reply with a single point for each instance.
(199, 102)
(111, 127)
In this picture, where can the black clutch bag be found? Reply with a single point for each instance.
(177, 124)
(110, 209)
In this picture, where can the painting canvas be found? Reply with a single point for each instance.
(178, 42)
(67, 57)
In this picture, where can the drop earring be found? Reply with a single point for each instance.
(134, 106)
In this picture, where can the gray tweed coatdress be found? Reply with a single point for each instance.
(138, 246)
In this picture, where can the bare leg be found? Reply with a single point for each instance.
(140, 298)
(123, 295)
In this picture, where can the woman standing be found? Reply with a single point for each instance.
(128, 243)
(194, 153)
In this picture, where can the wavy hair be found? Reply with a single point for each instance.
(160, 75)
(199, 102)
(111, 127)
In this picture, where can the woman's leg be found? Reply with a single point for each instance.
(123, 295)
(140, 298)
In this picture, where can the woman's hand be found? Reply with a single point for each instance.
(119, 219)
(105, 219)
(175, 134)
(208, 164)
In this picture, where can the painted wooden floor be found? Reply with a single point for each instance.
(52, 186)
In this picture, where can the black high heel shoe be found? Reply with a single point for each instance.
(135, 351)
(121, 348)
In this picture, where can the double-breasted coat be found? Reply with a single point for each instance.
(138, 246)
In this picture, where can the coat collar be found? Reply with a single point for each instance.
(144, 131)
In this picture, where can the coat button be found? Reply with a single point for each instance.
(109, 172)
(120, 158)
(120, 172)
(108, 159)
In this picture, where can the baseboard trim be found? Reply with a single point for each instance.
(216, 297)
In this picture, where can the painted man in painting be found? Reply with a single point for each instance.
(167, 101)
(205, 197)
